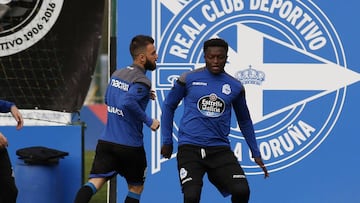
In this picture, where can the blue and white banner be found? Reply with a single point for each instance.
(299, 63)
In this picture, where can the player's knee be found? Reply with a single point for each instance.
(240, 193)
(136, 188)
(192, 194)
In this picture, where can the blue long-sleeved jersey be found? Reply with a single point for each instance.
(5, 106)
(208, 99)
(126, 97)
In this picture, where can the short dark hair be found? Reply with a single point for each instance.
(216, 42)
(138, 44)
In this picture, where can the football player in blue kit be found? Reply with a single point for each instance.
(209, 94)
(120, 147)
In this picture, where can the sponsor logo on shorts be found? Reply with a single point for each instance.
(183, 173)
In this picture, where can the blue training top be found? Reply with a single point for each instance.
(5, 106)
(126, 97)
(208, 100)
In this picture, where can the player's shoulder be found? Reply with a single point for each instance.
(192, 73)
(231, 78)
(132, 74)
(233, 82)
(138, 76)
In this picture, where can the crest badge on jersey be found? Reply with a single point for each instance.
(288, 56)
(226, 89)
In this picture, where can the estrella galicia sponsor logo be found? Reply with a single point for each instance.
(288, 56)
(24, 23)
(211, 105)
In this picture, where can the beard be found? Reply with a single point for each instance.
(149, 66)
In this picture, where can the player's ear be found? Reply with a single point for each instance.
(142, 57)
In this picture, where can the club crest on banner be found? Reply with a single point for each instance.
(288, 56)
(24, 23)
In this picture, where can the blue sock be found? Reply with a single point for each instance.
(85, 193)
(92, 186)
(133, 195)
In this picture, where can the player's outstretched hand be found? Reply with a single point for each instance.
(152, 95)
(166, 151)
(17, 116)
(259, 162)
(155, 125)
